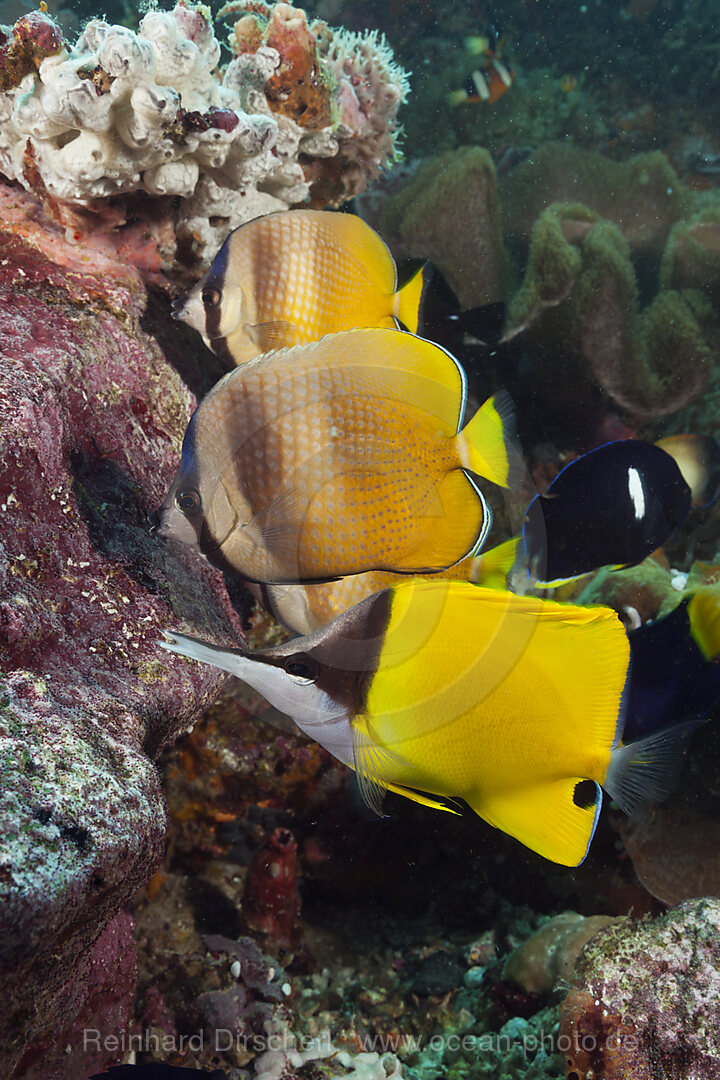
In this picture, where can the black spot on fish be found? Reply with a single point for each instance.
(585, 794)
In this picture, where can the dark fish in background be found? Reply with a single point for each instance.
(444, 322)
(611, 507)
(675, 673)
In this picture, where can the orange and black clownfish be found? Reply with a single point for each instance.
(489, 81)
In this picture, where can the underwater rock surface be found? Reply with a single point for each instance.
(646, 1001)
(91, 419)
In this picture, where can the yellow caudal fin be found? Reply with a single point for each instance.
(492, 567)
(704, 613)
(489, 441)
(557, 819)
(408, 301)
(459, 530)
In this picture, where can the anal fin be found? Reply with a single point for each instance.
(556, 819)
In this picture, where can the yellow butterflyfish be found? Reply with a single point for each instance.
(339, 457)
(289, 278)
(304, 608)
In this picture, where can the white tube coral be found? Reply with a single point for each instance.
(121, 112)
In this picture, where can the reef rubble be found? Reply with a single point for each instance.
(645, 1003)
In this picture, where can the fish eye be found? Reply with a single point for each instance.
(211, 297)
(188, 501)
(304, 670)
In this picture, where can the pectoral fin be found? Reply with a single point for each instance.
(274, 335)
(372, 763)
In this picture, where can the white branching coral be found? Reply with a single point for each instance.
(122, 112)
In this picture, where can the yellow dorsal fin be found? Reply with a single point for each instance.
(491, 442)
(704, 612)
(408, 301)
(547, 818)
(392, 365)
(366, 253)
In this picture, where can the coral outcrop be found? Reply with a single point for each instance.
(580, 298)
(674, 853)
(548, 956)
(646, 1004)
(91, 420)
(466, 246)
(300, 112)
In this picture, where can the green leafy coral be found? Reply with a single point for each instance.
(620, 282)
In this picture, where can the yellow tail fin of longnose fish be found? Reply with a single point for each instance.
(704, 613)
(557, 820)
(490, 439)
(408, 301)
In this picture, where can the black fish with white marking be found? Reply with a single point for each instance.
(611, 507)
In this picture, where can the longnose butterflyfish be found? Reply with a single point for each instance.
(610, 507)
(441, 689)
(339, 457)
(289, 278)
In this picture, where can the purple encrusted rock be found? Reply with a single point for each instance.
(98, 1000)
(646, 1002)
(92, 416)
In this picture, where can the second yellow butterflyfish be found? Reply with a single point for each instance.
(339, 457)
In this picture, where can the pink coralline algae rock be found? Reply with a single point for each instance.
(647, 1000)
(98, 1001)
(91, 419)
